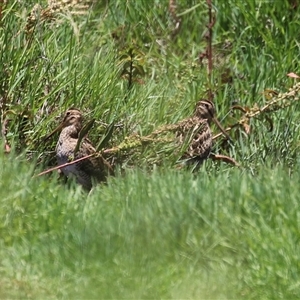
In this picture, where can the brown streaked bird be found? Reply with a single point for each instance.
(196, 134)
(94, 168)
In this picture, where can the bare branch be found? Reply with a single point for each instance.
(65, 165)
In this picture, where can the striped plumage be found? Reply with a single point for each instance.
(94, 168)
(195, 133)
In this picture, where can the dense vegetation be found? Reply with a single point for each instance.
(153, 231)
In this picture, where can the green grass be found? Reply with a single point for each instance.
(167, 234)
(153, 232)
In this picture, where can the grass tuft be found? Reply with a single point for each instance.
(153, 231)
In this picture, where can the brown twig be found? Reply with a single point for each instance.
(208, 51)
(279, 101)
(224, 158)
(65, 165)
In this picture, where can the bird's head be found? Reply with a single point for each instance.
(205, 109)
(72, 117)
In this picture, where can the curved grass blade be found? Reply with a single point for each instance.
(85, 129)
(106, 137)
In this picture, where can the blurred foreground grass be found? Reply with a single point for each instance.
(167, 234)
(222, 233)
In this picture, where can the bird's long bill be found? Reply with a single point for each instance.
(221, 128)
(58, 128)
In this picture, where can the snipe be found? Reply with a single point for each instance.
(94, 168)
(196, 133)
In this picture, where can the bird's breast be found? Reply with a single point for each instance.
(65, 153)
